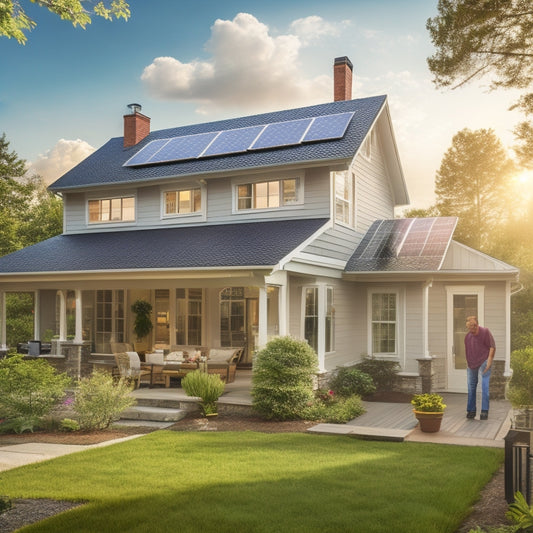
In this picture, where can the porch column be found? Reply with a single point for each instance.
(78, 336)
(263, 318)
(321, 337)
(62, 316)
(507, 369)
(3, 329)
(425, 317)
(283, 314)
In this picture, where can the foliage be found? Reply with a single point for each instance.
(143, 321)
(382, 372)
(29, 390)
(100, 401)
(428, 403)
(206, 386)
(14, 21)
(348, 381)
(521, 513)
(520, 391)
(282, 382)
(67, 424)
(258, 482)
(5, 504)
(19, 317)
(476, 38)
(471, 184)
(334, 409)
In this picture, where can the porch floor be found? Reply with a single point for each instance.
(391, 421)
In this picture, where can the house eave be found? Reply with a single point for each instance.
(449, 275)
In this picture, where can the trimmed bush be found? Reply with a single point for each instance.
(352, 381)
(382, 372)
(283, 376)
(100, 400)
(520, 392)
(336, 411)
(206, 386)
(29, 390)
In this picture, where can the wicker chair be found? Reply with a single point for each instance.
(158, 376)
(223, 361)
(129, 366)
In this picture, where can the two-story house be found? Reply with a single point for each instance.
(273, 224)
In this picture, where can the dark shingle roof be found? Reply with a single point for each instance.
(403, 245)
(105, 166)
(223, 246)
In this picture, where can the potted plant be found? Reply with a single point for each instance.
(143, 321)
(207, 387)
(429, 410)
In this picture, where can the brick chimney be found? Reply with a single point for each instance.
(136, 126)
(342, 79)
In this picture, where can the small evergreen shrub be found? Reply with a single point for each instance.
(520, 392)
(5, 504)
(283, 376)
(382, 372)
(29, 390)
(206, 386)
(334, 410)
(351, 381)
(100, 400)
(67, 424)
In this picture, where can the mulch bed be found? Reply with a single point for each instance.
(489, 511)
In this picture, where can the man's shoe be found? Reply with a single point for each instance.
(471, 414)
(484, 415)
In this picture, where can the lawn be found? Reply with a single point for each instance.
(257, 482)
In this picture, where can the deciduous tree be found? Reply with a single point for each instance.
(14, 21)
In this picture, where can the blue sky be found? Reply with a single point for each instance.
(64, 93)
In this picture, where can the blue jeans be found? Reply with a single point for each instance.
(472, 375)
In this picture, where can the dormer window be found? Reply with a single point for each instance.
(182, 202)
(344, 198)
(106, 210)
(268, 194)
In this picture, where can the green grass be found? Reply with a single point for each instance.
(256, 482)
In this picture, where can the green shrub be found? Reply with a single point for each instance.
(100, 400)
(67, 424)
(334, 411)
(29, 390)
(208, 387)
(520, 392)
(351, 381)
(282, 382)
(5, 504)
(382, 372)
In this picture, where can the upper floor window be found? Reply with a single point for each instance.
(183, 202)
(368, 145)
(344, 197)
(268, 194)
(112, 210)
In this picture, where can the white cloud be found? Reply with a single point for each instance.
(60, 159)
(249, 68)
(311, 28)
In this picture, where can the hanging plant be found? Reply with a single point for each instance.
(143, 320)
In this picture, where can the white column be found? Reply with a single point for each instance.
(62, 316)
(36, 315)
(283, 311)
(321, 338)
(263, 319)
(78, 336)
(425, 317)
(507, 370)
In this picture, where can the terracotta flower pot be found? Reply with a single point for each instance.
(429, 422)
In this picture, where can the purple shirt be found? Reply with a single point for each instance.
(477, 347)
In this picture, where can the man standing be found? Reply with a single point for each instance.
(480, 348)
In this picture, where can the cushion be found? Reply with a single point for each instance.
(175, 356)
(221, 355)
(155, 358)
(135, 361)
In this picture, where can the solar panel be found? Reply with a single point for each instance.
(144, 154)
(282, 134)
(233, 141)
(186, 147)
(328, 127)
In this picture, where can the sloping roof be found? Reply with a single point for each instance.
(403, 245)
(252, 244)
(105, 166)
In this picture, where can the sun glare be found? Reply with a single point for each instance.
(525, 177)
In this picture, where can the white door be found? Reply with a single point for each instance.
(462, 302)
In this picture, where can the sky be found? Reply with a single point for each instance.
(64, 93)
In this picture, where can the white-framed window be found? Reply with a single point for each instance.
(344, 197)
(319, 311)
(108, 210)
(189, 316)
(384, 322)
(182, 202)
(311, 317)
(369, 145)
(269, 194)
(329, 337)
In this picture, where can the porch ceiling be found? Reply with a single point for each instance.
(230, 246)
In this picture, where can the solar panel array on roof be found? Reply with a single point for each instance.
(219, 143)
(403, 244)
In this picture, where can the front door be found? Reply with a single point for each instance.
(462, 302)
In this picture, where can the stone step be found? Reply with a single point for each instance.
(158, 414)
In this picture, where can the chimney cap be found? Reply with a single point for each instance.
(344, 60)
(135, 108)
